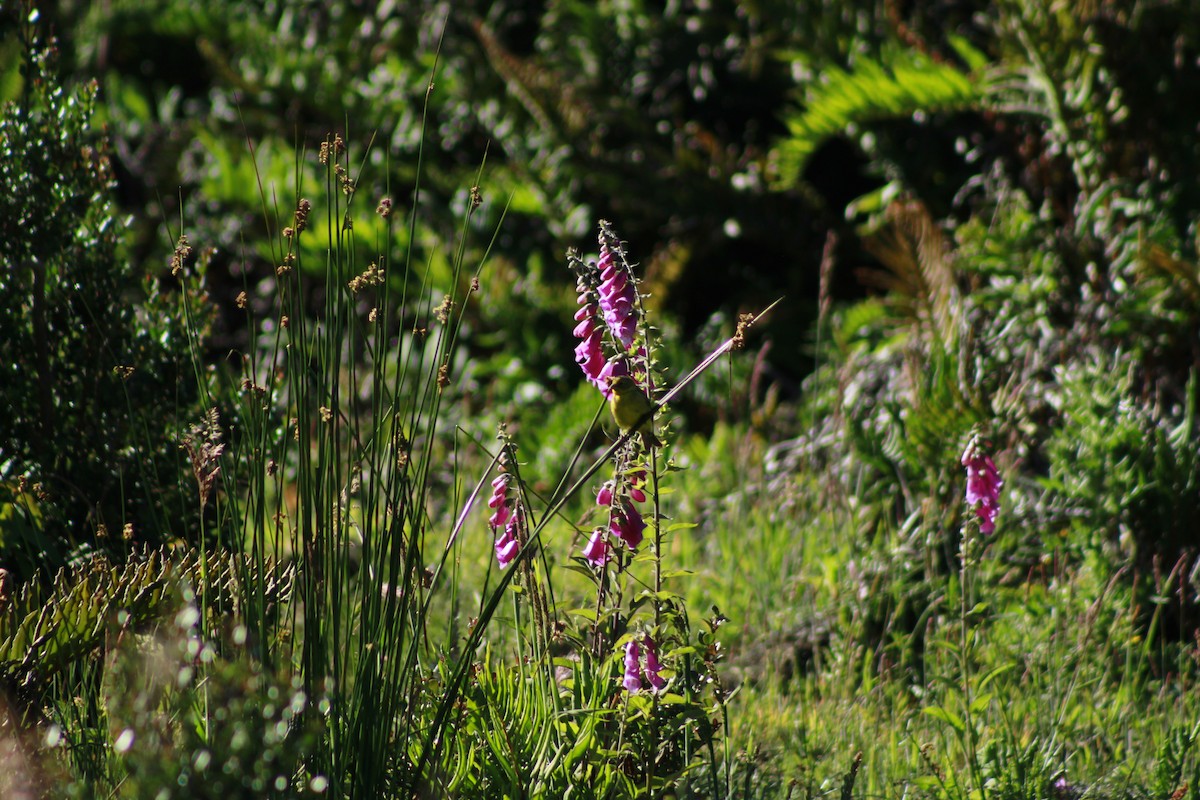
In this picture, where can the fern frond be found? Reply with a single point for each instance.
(903, 82)
(43, 630)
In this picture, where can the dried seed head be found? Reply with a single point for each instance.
(241, 300)
(302, 215)
(371, 276)
(384, 209)
(289, 261)
(203, 445)
(443, 311)
(739, 335)
(181, 255)
(400, 445)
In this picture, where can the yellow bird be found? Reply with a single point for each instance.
(630, 406)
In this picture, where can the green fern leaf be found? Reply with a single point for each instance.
(905, 82)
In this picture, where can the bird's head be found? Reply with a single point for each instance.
(620, 383)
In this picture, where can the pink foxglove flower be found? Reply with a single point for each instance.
(507, 544)
(498, 502)
(590, 356)
(627, 525)
(653, 667)
(504, 519)
(983, 486)
(633, 679)
(617, 298)
(597, 551)
(637, 483)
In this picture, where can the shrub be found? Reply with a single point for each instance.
(93, 362)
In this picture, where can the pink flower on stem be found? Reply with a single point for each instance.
(635, 672)
(617, 298)
(628, 525)
(507, 544)
(653, 667)
(597, 551)
(590, 357)
(504, 519)
(637, 480)
(625, 521)
(983, 486)
(633, 669)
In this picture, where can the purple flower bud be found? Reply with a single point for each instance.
(584, 329)
(500, 517)
(506, 551)
(606, 260)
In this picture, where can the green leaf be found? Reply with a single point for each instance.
(981, 702)
(948, 717)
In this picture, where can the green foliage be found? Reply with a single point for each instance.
(904, 82)
(1033, 269)
(94, 361)
(188, 721)
(44, 629)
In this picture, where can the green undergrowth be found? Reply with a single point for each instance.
(365, 549)
(1048, 685)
